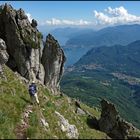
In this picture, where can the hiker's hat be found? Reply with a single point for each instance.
(33, 81)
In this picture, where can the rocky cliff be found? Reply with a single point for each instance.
(22, 40)
(24, 46)
(53, 59)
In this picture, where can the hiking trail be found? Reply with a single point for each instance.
(21, 128)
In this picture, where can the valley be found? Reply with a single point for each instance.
(107, 72)
(85, 87)
(77, 42)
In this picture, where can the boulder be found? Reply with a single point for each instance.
(71, 130)
(112, 124)
(34, 23)
(44, 122)
(80, 111)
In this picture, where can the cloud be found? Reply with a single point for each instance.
(55, 21)
(109, 16)
(29, 17)
(115, 16)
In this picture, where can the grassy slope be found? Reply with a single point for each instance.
(11, 103)
(88, 88)
(14, 98)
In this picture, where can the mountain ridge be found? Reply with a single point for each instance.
(108, 33)
(57, 116)
(116, 55)
(109, 36)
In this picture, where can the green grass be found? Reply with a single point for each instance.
(91, 90)
(60, 104)
(11, 103)
(14, 98)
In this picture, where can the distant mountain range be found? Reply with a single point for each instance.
(78, 44)
(125, 59)
(64, 34)
(109, 36)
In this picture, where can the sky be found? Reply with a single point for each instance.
(84, 14)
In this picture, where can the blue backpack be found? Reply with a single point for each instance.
(32, 89)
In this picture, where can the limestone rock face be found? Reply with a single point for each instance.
(112, 124)
(23, 42)
(71, 130)
(3, 54)
(27, 54)
(53, 59)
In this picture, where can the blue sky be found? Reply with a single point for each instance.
(80, 13)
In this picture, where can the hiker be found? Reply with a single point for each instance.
(33, 92)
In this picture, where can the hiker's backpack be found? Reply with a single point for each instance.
(32, 89)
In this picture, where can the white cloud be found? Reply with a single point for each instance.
(115, 16)
(121, 11)
(110, 16)
(29, 17)
(55, 21)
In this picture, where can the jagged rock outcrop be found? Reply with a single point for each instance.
(112, 124)
(27, 54)
(23, 42)
(79, 109)
(53, 59)
(3, 54)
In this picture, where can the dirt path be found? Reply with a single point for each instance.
(21, 128)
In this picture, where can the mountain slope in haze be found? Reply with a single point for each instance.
(80, 44)
(111, 73)
(124, 59)
(76, 42)
(123, 35)
(73, 54)
(64, 34)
